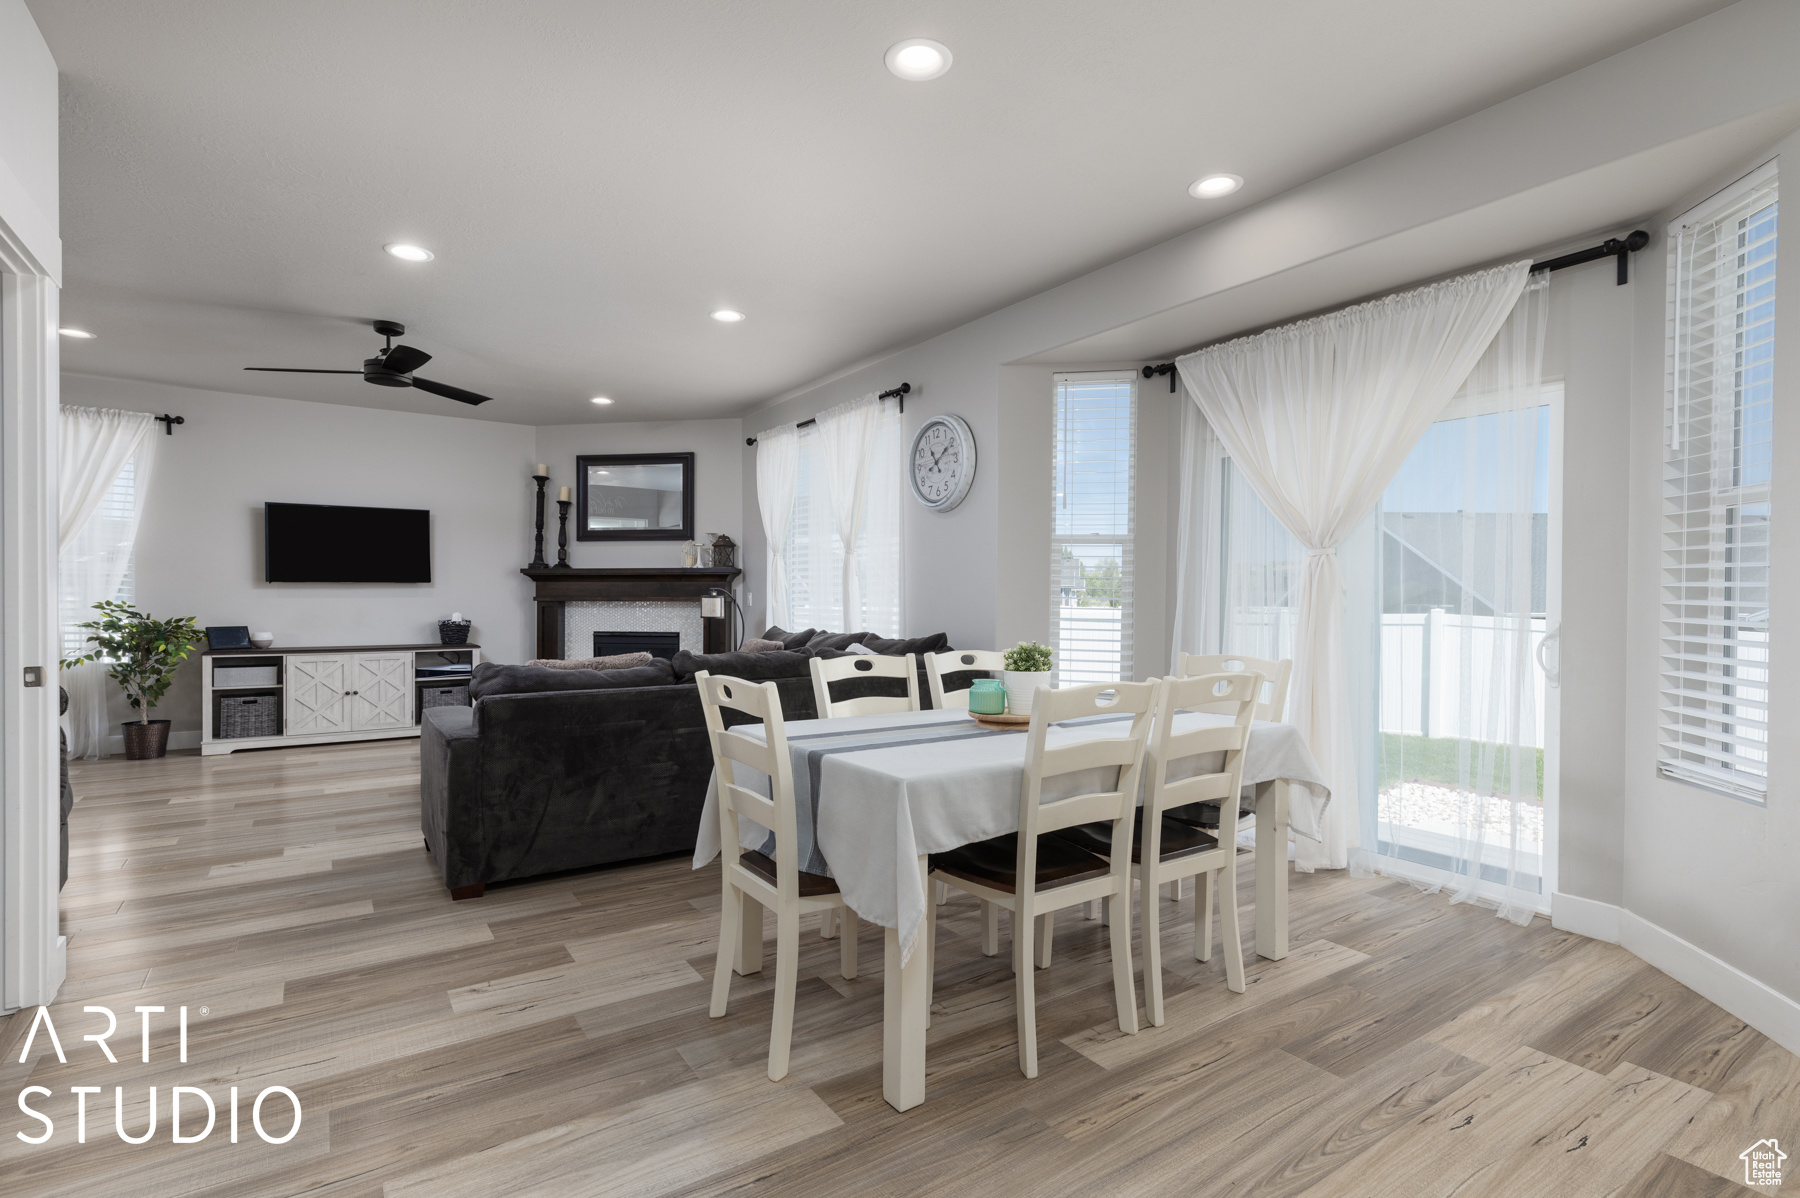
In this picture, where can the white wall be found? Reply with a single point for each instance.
(199, 551)
(28, 135)
(718, 449)
(1716, 872)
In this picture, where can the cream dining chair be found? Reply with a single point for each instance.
(751, 881)
(864, 665)
(1271, 704)
(958, 661)
(1168, 850)
(1032, 873)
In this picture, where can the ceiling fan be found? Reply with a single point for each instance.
(392, 367)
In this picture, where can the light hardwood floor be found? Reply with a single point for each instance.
(552, 1037)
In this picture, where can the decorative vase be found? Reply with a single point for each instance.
(262, 640)
(145, 741)
(1020, 684)
(987, 696)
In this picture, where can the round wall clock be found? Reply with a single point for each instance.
(942, 465)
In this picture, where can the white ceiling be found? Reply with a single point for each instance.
(595, 179)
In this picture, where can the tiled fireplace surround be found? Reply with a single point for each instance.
(573, 604)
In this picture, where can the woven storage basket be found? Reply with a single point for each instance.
(249, 715)
(444, 696)
(453, 632)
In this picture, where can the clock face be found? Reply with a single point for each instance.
(943, 462)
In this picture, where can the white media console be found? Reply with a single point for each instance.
(324, 694)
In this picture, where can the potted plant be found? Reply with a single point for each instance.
(140, 652)
(1027, 668)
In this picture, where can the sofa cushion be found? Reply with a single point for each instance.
(789, 640)
(618, 661)
(937, 642)
(836, 640)
(751, 667)
(491, 678)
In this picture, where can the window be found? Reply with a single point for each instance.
(815, 556)
(99, 552)
(1716, 468)
(1093, 496)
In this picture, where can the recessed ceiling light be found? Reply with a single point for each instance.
(601, 400)
(727, 316)
(79, 334)
(918, 59)
(1214, 186)
(410, 253)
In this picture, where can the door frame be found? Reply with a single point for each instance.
(33, 952)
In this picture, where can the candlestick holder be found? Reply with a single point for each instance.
(562, 535)
(537, 557)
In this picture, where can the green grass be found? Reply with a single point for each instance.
(1433, 760)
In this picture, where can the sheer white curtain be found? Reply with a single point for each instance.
(819, 574)
(105, 471)
(1318, 416)
(777, 478)
(1197, 540)
(1465, 585)
(847, 435)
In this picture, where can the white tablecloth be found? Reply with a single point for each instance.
(874, 793)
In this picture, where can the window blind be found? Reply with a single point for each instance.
(111, 530)
(1093, 497)
(1716, 479)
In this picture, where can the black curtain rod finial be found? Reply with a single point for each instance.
(1612, 247)
(1162, 368)
(169, 422)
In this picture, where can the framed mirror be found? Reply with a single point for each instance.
(635, 497)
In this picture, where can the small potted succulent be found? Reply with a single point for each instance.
(1027, 668)
(140, 653)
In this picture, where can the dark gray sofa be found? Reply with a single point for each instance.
(523, 784)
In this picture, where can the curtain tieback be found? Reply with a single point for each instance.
(1331, 552)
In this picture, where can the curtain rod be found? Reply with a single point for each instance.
(1612, 247)
(900, 393)
(169, 422)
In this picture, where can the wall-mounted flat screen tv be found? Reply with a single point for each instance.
(311, 542)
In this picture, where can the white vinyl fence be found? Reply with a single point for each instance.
(1438, 676)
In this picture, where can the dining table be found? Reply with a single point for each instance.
(876, 795)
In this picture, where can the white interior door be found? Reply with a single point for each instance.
(380, 686)
(316, 696)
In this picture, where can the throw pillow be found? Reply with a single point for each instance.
(618, 661)
(491, 678)
(751, 667)
(789, 640)
(757, 645)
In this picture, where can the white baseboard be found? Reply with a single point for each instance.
(1585, 917)
(1761, 1006)
(115, 745)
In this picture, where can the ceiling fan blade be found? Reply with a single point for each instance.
(404, 359)
(299, 370)
(449, 392)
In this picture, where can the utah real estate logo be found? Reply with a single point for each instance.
(1762, 1163)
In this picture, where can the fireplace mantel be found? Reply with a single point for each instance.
(554, 588)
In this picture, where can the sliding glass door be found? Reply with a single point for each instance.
(1469, 533)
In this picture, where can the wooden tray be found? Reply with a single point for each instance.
(1000, 721)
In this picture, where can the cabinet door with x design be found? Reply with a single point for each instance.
(317, 694)
(381, 690)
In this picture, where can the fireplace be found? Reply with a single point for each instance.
(574, 606)
(656, 644)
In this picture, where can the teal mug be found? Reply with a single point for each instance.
(987, 697)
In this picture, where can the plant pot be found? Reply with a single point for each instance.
(146, 741)
(1020, 685)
